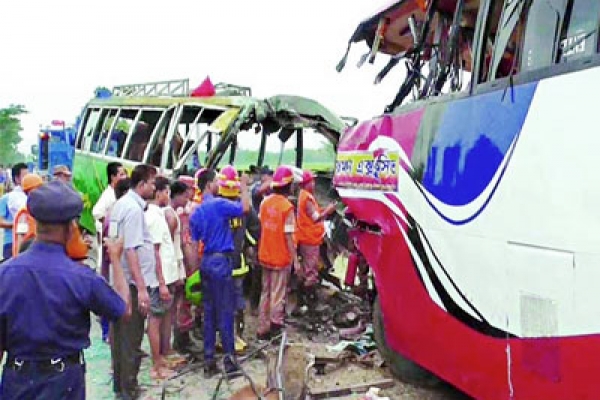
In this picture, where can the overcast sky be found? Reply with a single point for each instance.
(56, 52)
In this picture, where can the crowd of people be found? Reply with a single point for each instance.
(166, 244)
(16, 183)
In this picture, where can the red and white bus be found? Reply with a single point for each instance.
(476, 198)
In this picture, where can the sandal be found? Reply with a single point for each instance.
(174, 360)
(161, 374)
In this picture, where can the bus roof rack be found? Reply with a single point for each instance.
(227, 89)
(173, 88)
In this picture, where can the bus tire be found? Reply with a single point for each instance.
(400, 366)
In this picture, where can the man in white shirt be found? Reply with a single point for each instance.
(167, 272)
(114, 173)
(10, 204)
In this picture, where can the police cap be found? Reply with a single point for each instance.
(54, 203)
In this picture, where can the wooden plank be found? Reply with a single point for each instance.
(345, 391)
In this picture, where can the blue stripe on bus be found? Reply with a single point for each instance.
(474, 137)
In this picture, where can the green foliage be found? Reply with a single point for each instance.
(322, 159)
(10, 127)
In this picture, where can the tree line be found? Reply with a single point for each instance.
(10, 128)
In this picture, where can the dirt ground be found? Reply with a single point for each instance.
(192, 385)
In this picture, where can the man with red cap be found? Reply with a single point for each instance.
(309, 236)
(276, 252)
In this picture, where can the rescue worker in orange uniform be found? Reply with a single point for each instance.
(24, 224)
(276, 253)
(310, 232)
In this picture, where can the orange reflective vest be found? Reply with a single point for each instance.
(24, 226)
(273, 248)
(24, 229)
(308, 231)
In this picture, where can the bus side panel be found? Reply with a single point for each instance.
(89, 179)
(483, 366)
(515, 231)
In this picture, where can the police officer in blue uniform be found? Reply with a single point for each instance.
(45, 304)
(210, 224)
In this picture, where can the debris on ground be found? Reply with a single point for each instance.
(351, 389)
(373, 394)
(361, 346)
(328, 353)
(336, 315)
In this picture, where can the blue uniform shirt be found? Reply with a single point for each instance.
(45, 303)
(4, 213)
(210, 223)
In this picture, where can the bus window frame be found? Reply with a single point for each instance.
(300, 148)
(232, 150)
(109, 133)
(192, 149)
(523, 77)
(169, 137)
(172, 128)
(566, 26)
(104, 114)
(187, 134)
(166, 145)
(141, 109)
(539, 74)
(502, 37)
(80, 141)
(130, 134)
(153, 136)
(297, 136)
(127, 108)
(177, 165)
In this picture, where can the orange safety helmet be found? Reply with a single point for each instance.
(31, 181)
(283, 176)
(229, 182)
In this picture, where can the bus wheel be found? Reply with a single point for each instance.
(401, 367)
